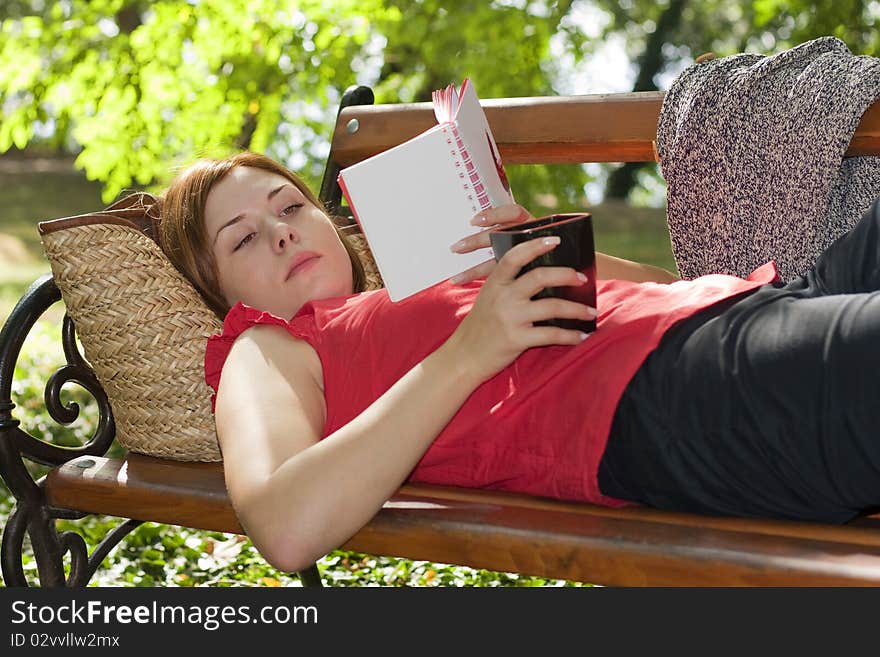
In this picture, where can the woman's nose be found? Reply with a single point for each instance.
(283, 236)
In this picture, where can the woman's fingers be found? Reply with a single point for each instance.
(555, 308)
(512, 213)
(539, 278)
(505, 215)
(512, 262)
(545, 335)
(480, 271)
(516, 258)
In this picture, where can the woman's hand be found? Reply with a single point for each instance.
(500, 326)
(607, 267)
(500, 217)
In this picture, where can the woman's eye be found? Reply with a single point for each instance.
(247, 238)
(290, 209)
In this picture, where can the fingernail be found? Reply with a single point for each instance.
(458, 246)
(479, 220)
(584, 336)
(582, 277)
(455, 280)
(591, 312)
(552, 240)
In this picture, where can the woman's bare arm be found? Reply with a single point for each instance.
(299, 498)
(610, 267)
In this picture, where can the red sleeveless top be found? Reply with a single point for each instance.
(540, 425)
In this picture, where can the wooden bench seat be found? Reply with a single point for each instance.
(510, 533)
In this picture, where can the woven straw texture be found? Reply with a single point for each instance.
(143, 329)
(373, 277)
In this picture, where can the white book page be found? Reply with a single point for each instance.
(411, 207)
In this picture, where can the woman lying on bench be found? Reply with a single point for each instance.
(718, 395)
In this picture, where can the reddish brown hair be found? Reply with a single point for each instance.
(181, 229)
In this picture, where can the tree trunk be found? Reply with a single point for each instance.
(623, 179)
(128, 17)
(248, 127)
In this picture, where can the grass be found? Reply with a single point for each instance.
(33, 189)
(14, 281)
(633, 233)
(174, 556)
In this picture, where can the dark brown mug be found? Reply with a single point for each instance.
(576, 249)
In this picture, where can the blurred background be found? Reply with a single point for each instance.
(101, 97)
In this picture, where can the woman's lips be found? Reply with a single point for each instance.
(304, 264)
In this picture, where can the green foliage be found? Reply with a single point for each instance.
(177, 79)
(503, 47)
(189, 78)
(763, 26)
(140, 88)
(788, 22)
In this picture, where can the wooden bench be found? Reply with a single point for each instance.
(484, 529)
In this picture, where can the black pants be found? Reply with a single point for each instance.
(766, 405)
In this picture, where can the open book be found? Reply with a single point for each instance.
(416, 199)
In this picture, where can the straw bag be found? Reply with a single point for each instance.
(143, 326)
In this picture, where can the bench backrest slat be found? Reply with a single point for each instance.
(539, 130)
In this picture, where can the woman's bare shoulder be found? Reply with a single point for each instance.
(291, 353)
(269, 403)
(268, 371)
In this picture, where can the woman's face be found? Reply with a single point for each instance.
(274, 249)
